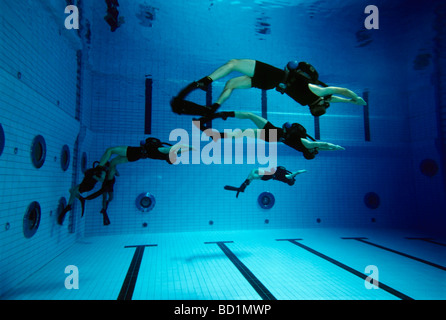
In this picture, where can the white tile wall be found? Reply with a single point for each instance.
(41, 102)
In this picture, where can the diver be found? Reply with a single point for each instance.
(151, 148)
(293, 135)
(299, 80)
(280, 174)
(105, 171)
(91, 178)
(112, 17)
(107, 191)
(181, 106)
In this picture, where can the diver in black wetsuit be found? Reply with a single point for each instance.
(299, 80)
(293, 135)
(151, 148)
(280, 174)
(105, 171)
(91, 178)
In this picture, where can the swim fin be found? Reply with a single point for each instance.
(230, 188)
(180, 106)
(61, 216)
(203, 83)
(106, 220)
(186, 90)
(204, 124)
(82, 200)
(223, 115)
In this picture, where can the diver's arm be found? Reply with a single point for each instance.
(320, 145)
(335, 99)
(359, 101)
(176, 148)
(322, 92)
(292, 175)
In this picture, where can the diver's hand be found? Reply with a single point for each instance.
(330, 146)
(359, 101)
(336, 147)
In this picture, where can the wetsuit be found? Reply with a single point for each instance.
(107, 185)
(268, 77)
(147, 151)
(291, 138)
(279, 175)
(89, 182)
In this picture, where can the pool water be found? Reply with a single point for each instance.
(177, 232)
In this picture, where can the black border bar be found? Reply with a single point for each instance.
(349, 269)
(363, 240)
(128, 286)
(252, 279)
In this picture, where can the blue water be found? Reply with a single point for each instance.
(86, 89)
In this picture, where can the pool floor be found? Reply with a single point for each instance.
(291, 264)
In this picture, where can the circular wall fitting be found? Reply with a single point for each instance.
(372, 200)
(429, 167)
(84, 162)
(266, 200)
(31, 219)
(38, 151)
(2, 139)
(65, 158)
(145, 202)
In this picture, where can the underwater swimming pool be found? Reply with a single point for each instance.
(208, 222)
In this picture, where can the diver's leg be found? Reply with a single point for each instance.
(243, 82)
(110, 199)
(257, 120)
(245, 66)
(74, 193)
(120, 151)
(105, 202)
(116, 160)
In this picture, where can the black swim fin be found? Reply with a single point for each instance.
(223, 115)
(82, 200)
(231, 188)
(239, 189)
(203, 83)
(106, 220)
(61, 216)
(180, 106)
(186, 90)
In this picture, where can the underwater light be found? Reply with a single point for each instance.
(266, 200)
(145, 202)
(31, 219)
